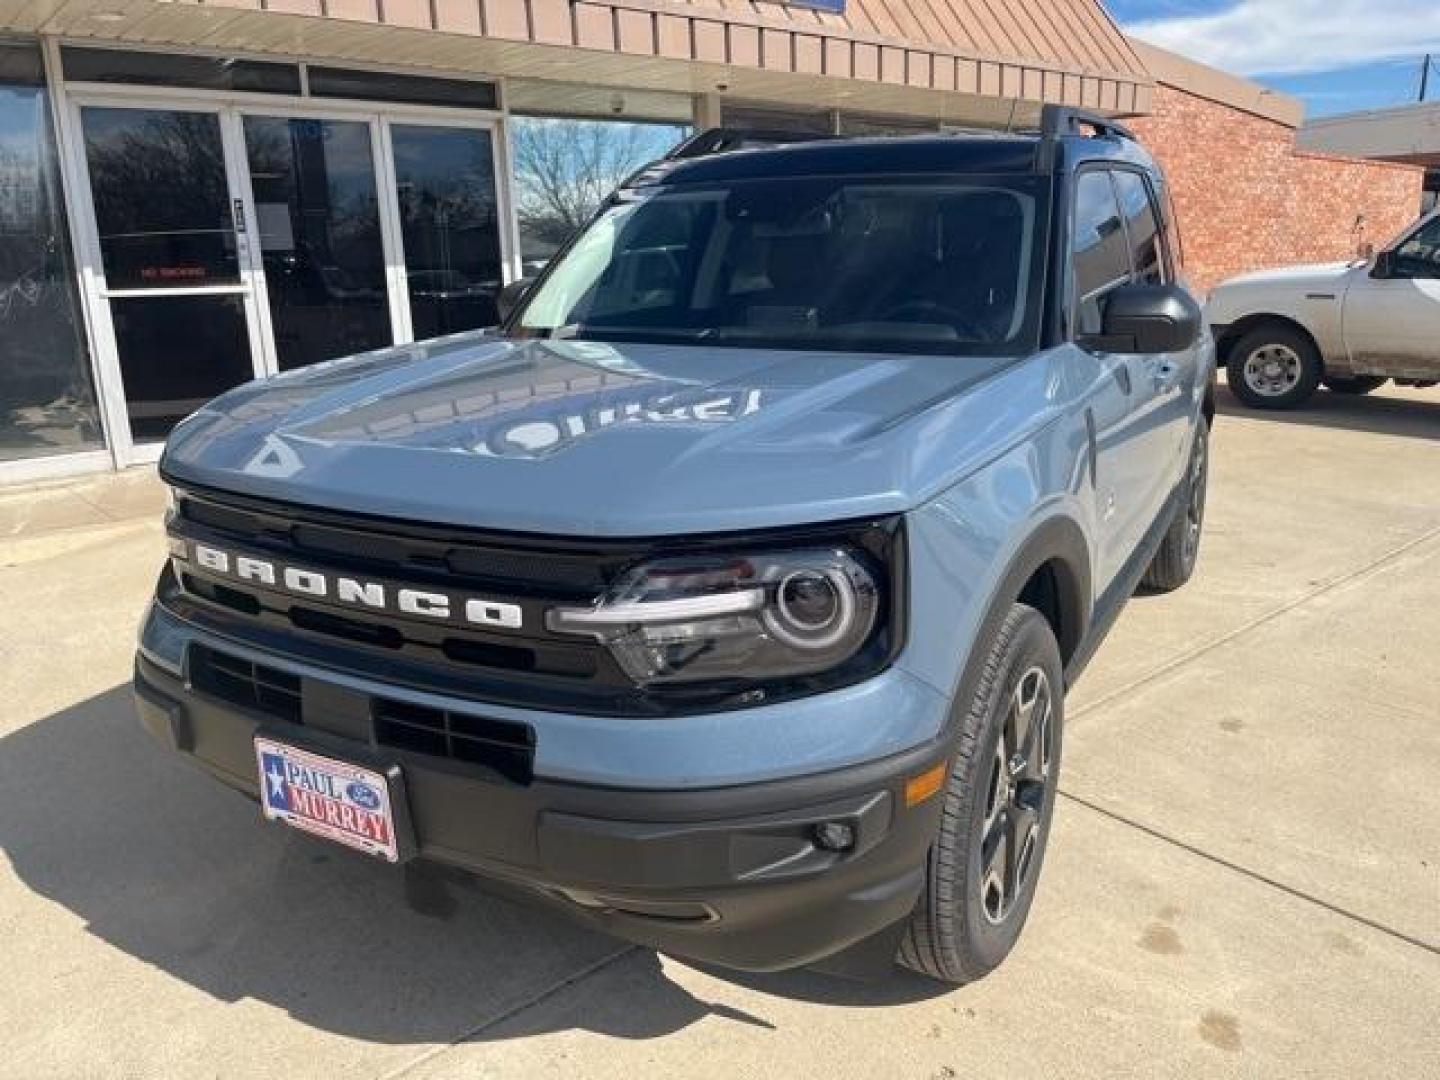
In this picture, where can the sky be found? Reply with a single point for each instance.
(1336, 55)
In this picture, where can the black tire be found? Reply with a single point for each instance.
(1175, 561)
(1299, 367)
(1353, 384)
(954, 934)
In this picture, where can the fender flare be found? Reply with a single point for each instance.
(1057, 540)
(1238, 328)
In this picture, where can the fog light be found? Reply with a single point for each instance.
(834, 836)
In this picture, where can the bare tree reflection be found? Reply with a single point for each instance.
(564, 169)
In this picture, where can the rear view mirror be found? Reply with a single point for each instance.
(511, 295)
(1148, 319)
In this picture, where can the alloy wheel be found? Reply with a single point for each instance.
(1015, 796)
(1195, 506)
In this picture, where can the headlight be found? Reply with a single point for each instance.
(754, 617)
(175, 545)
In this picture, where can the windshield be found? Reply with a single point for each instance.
(889, 265)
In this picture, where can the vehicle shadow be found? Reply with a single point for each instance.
(166, 865)
(1409, 413)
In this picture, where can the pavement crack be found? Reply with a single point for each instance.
(541, 995)
(1254, 624)
(1253, 875)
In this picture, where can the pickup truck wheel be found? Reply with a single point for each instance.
(1174, 562)
(982, 868)
(1274, 367)
(1355, 384)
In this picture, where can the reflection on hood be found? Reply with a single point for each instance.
(584, 438)
(546, 398)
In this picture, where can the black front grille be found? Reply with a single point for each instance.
(252, 686)
(576, 571)
(525, 665)
(435, 653)
(502, 745)
(235, 599)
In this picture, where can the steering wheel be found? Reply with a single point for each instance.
(940, 314)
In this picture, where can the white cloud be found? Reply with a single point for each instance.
(1290, 37)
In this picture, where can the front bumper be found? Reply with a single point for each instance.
(728, 875)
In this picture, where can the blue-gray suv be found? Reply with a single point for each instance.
(727, 594)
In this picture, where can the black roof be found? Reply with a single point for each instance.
(1066, 136)
(939, 153)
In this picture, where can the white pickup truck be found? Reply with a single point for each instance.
(1350, 326)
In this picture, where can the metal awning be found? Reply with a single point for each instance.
(964, 60)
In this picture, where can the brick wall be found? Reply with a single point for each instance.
(1246, 199)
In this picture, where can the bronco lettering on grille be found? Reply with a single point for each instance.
(377, 595)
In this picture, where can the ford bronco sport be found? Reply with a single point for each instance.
(726, 596)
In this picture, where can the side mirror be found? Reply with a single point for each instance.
(1384, 266)
(511, 295)
(1148, 319)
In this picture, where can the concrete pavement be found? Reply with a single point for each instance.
(1244, 878)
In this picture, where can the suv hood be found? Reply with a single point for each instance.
(584, 438)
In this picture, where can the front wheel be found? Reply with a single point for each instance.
(982, 868)
(1274, 366)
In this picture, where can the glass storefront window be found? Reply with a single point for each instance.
(161, 200)
(318, 209)
(162, 204)
(47, 400)
(564, 169)
(176, 353)
(450, 227)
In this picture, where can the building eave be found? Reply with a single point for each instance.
(763, 51)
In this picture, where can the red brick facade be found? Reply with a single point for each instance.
(1246, 199)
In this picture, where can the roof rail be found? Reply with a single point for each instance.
(722, 140)
(1058, 121)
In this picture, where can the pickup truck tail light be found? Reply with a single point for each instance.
(756, 616)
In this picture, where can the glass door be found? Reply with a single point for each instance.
(176, 291)
(448, 205)
(321, 243)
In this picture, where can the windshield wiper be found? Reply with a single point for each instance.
(582, 331)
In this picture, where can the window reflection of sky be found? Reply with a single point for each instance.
(47, 403)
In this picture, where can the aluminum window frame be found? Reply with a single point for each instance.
(68, 97)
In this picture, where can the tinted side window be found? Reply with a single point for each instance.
(1101, 257)
(1144, 230)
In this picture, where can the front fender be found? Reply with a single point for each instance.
(1232, 311)
(973, 549)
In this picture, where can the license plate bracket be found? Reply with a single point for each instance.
(347, 796)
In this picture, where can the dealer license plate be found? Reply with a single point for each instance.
(322, 795)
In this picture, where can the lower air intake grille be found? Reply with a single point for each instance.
(502, 745)
(251, 686)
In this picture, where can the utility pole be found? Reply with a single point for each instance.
(1425, 77)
